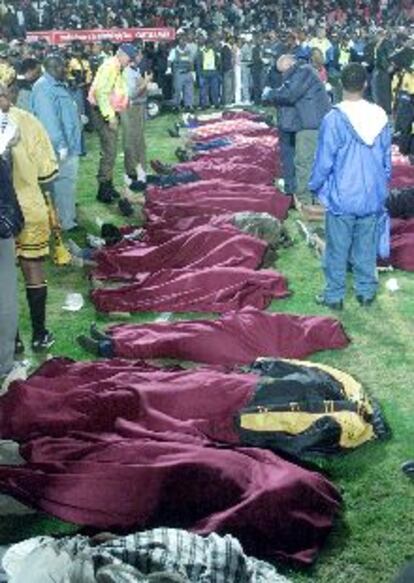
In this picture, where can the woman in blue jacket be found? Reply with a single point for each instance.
(350, 177)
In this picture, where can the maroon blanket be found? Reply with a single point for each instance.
(204, 246)
(215, 289)
(114, 446)
(261, 154)
(212, 188)
(402, 176)
(225, 128)
(233, 169)
(236, 338)
(402, 244)
(218, 204)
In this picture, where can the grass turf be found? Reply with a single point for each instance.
(375, 534)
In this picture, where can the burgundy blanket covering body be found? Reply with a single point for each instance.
(402, 244)
(217, 289)
(229, 128)
(229, 170)
(264, 156)
(236, 338)
(152, 457)
(205, 246)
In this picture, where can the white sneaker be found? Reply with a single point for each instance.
(19, 372)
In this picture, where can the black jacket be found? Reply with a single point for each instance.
(303, 92)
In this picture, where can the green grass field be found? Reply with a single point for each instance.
(375, 534)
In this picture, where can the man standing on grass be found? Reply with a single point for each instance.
(350, 177)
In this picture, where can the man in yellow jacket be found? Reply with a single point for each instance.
(109, 98)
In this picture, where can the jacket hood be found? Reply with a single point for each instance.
(367, 119)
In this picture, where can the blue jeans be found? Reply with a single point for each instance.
(183, 89)
(287, 141)
(350, 241)
(64, 192)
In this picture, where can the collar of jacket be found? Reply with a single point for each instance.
(52, 81)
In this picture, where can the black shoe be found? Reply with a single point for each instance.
(365, 302)
(43, 342)
(104, 193)
(88, 344)
(114, 193)
(408, 468)
(125, 207)
(97, 334)
(321, 301)
(173, 133)
(182, 155)
(137, 186)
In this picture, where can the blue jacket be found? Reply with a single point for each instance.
(352, 166)
(302, 90)
(53, 105)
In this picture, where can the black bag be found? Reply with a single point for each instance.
(11, 216)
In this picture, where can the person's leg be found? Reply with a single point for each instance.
(338, 233)
(287, 156)
(203, 91)
(64, 192)
(36, 291)
(108, 139)
(215, 89)
(8, 305)
(130, 120)
(306, 142)
(364, 257)
(142, 147)
(189, 91)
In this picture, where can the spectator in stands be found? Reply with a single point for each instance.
(31, 71)
(109, 97)
(53, 105)
(350, 177)
(381, 80)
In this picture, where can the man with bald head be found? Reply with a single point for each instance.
(53, 105)
(302, 102)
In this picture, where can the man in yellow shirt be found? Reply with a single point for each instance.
(109, 98)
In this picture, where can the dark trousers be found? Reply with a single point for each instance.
(108, 139)
(287, 142)
(209, 88)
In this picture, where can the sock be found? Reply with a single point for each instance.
(36, 297)
(142, 175)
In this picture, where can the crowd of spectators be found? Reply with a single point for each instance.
(19, 16)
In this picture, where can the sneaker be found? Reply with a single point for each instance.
(321, 301)
(408, 468)
(43, 342)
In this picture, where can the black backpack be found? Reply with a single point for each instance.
(11, 216)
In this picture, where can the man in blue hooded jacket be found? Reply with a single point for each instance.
(350, 176)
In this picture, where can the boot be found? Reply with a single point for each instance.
(114, 193)
(97, 334)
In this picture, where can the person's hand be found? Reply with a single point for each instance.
(267, 94)
(148, 77)
(63, 154)
(84, 119)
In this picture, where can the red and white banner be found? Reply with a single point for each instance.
(116, 35)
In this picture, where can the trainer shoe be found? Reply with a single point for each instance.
(43, 342)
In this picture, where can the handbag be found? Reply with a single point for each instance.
(11, 216)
